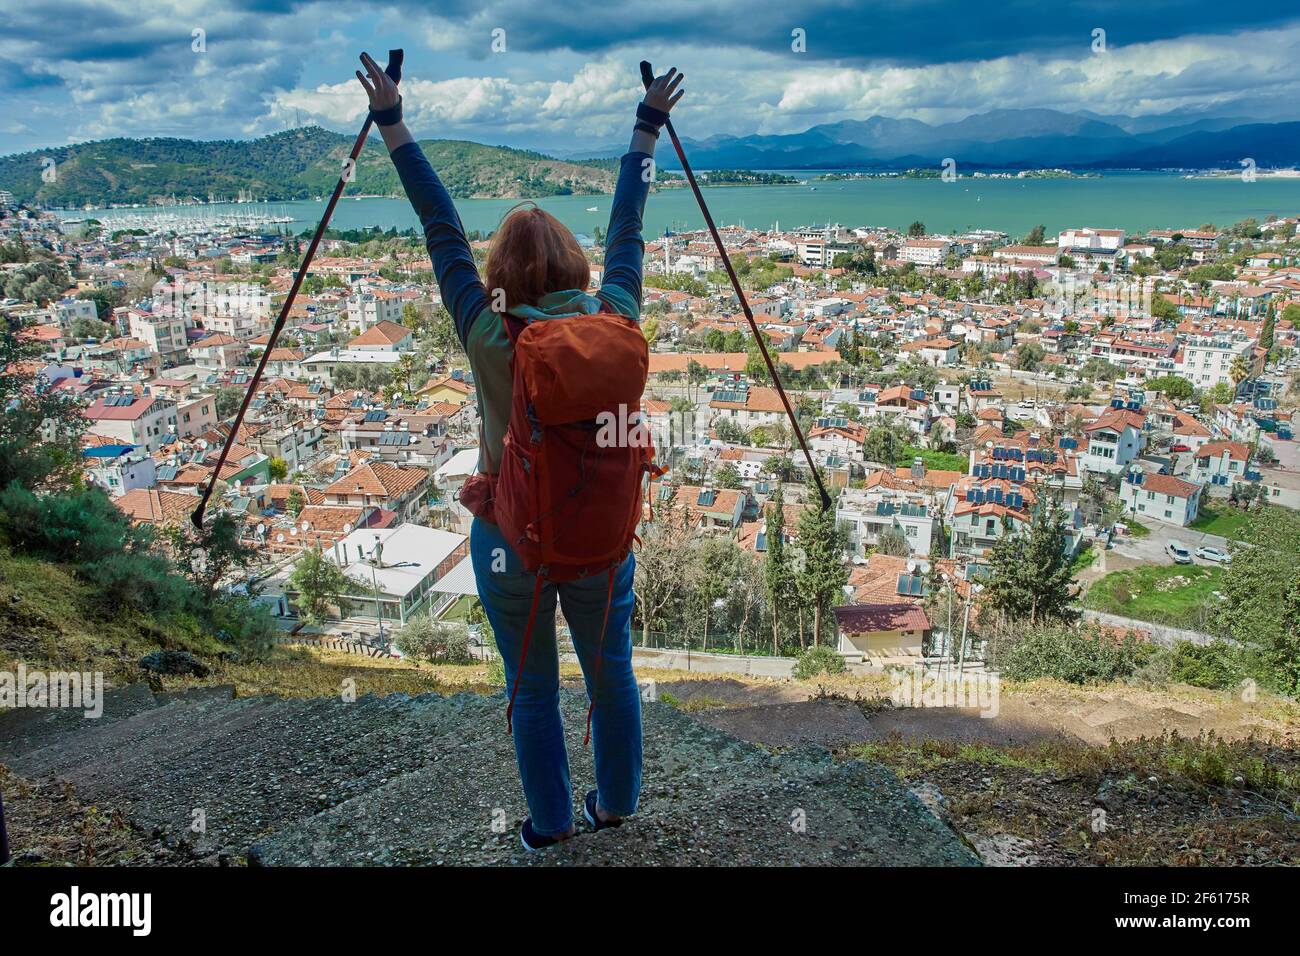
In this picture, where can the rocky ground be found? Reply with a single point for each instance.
(737, 772)
(431, 779)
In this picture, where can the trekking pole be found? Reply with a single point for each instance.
(647, 77)
(394, 71)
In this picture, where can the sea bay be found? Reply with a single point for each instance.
(1131, 201)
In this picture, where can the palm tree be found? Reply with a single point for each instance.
(1238, 371)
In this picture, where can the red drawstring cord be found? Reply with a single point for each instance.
(600, 653)
(523, 654)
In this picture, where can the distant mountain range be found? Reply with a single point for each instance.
(305, 162)
(1003, 139)
(296, 164)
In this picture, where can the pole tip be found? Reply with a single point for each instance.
(196, 517)
(647, 73)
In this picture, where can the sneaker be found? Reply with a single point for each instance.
(589, 811)
(534, 841)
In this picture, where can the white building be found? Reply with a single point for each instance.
(370, 308)
(1162, 497)
(925, 252)
(1206, 360)
(323, 364)
(864, 515)
(1113, 440)
(400, 567)
(164, 333)
(141, 421)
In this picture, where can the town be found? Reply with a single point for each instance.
(1135, 390)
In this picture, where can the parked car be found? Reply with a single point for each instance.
(1213, 554)
(1178, 551)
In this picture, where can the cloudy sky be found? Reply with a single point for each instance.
(560, 75)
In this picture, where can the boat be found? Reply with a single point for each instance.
(592, 209)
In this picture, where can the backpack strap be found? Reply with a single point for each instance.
(523, 653)
(600, 652)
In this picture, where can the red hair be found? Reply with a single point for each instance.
(533, 253)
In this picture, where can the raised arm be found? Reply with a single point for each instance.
(444, 235)
(624, 246)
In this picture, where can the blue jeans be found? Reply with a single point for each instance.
(506, 591)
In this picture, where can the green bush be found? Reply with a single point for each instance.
(441, 641)
(1217, 666)
(246, 625)
(816, 661)
(1079, 655)
(80, 527)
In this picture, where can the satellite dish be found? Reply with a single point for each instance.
(306, 526)
(280, 537)
(293, 532)
(347, 527)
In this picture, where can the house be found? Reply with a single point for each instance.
(323, 364)
(143, 421)
(925, 252)
(748, 405)
(977, 526)
(383, 337)
(218, 351)
(936, 351)
(709, 510)
(1162, 497)
(368, 309)
(1113, 440)
(396, 488)
(118, 468)
(150, 506)
(195, 415)
(866, 514)
(882, 633)
(1220, 463)
(399, 567)
(450, 388)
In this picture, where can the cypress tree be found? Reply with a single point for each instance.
(1031, 581)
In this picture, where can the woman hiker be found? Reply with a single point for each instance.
(540, 269)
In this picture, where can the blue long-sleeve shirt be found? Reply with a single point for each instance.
(480, 331)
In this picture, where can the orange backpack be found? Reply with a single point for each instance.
(568, 493)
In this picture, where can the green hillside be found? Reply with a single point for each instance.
(297, 164)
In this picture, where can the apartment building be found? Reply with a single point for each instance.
(163, 332)
(367, 309)
(925, 252)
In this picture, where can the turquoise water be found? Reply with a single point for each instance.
(1135, 202)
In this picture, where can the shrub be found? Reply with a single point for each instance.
(246, 625)
(442, 641)
(1218, 665)
(79, 527)
(1079, 655)
(138, 580)
(818, 660)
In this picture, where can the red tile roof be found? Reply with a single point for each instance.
(877, 618)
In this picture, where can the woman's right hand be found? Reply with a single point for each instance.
(381, 89)
(663, 93)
